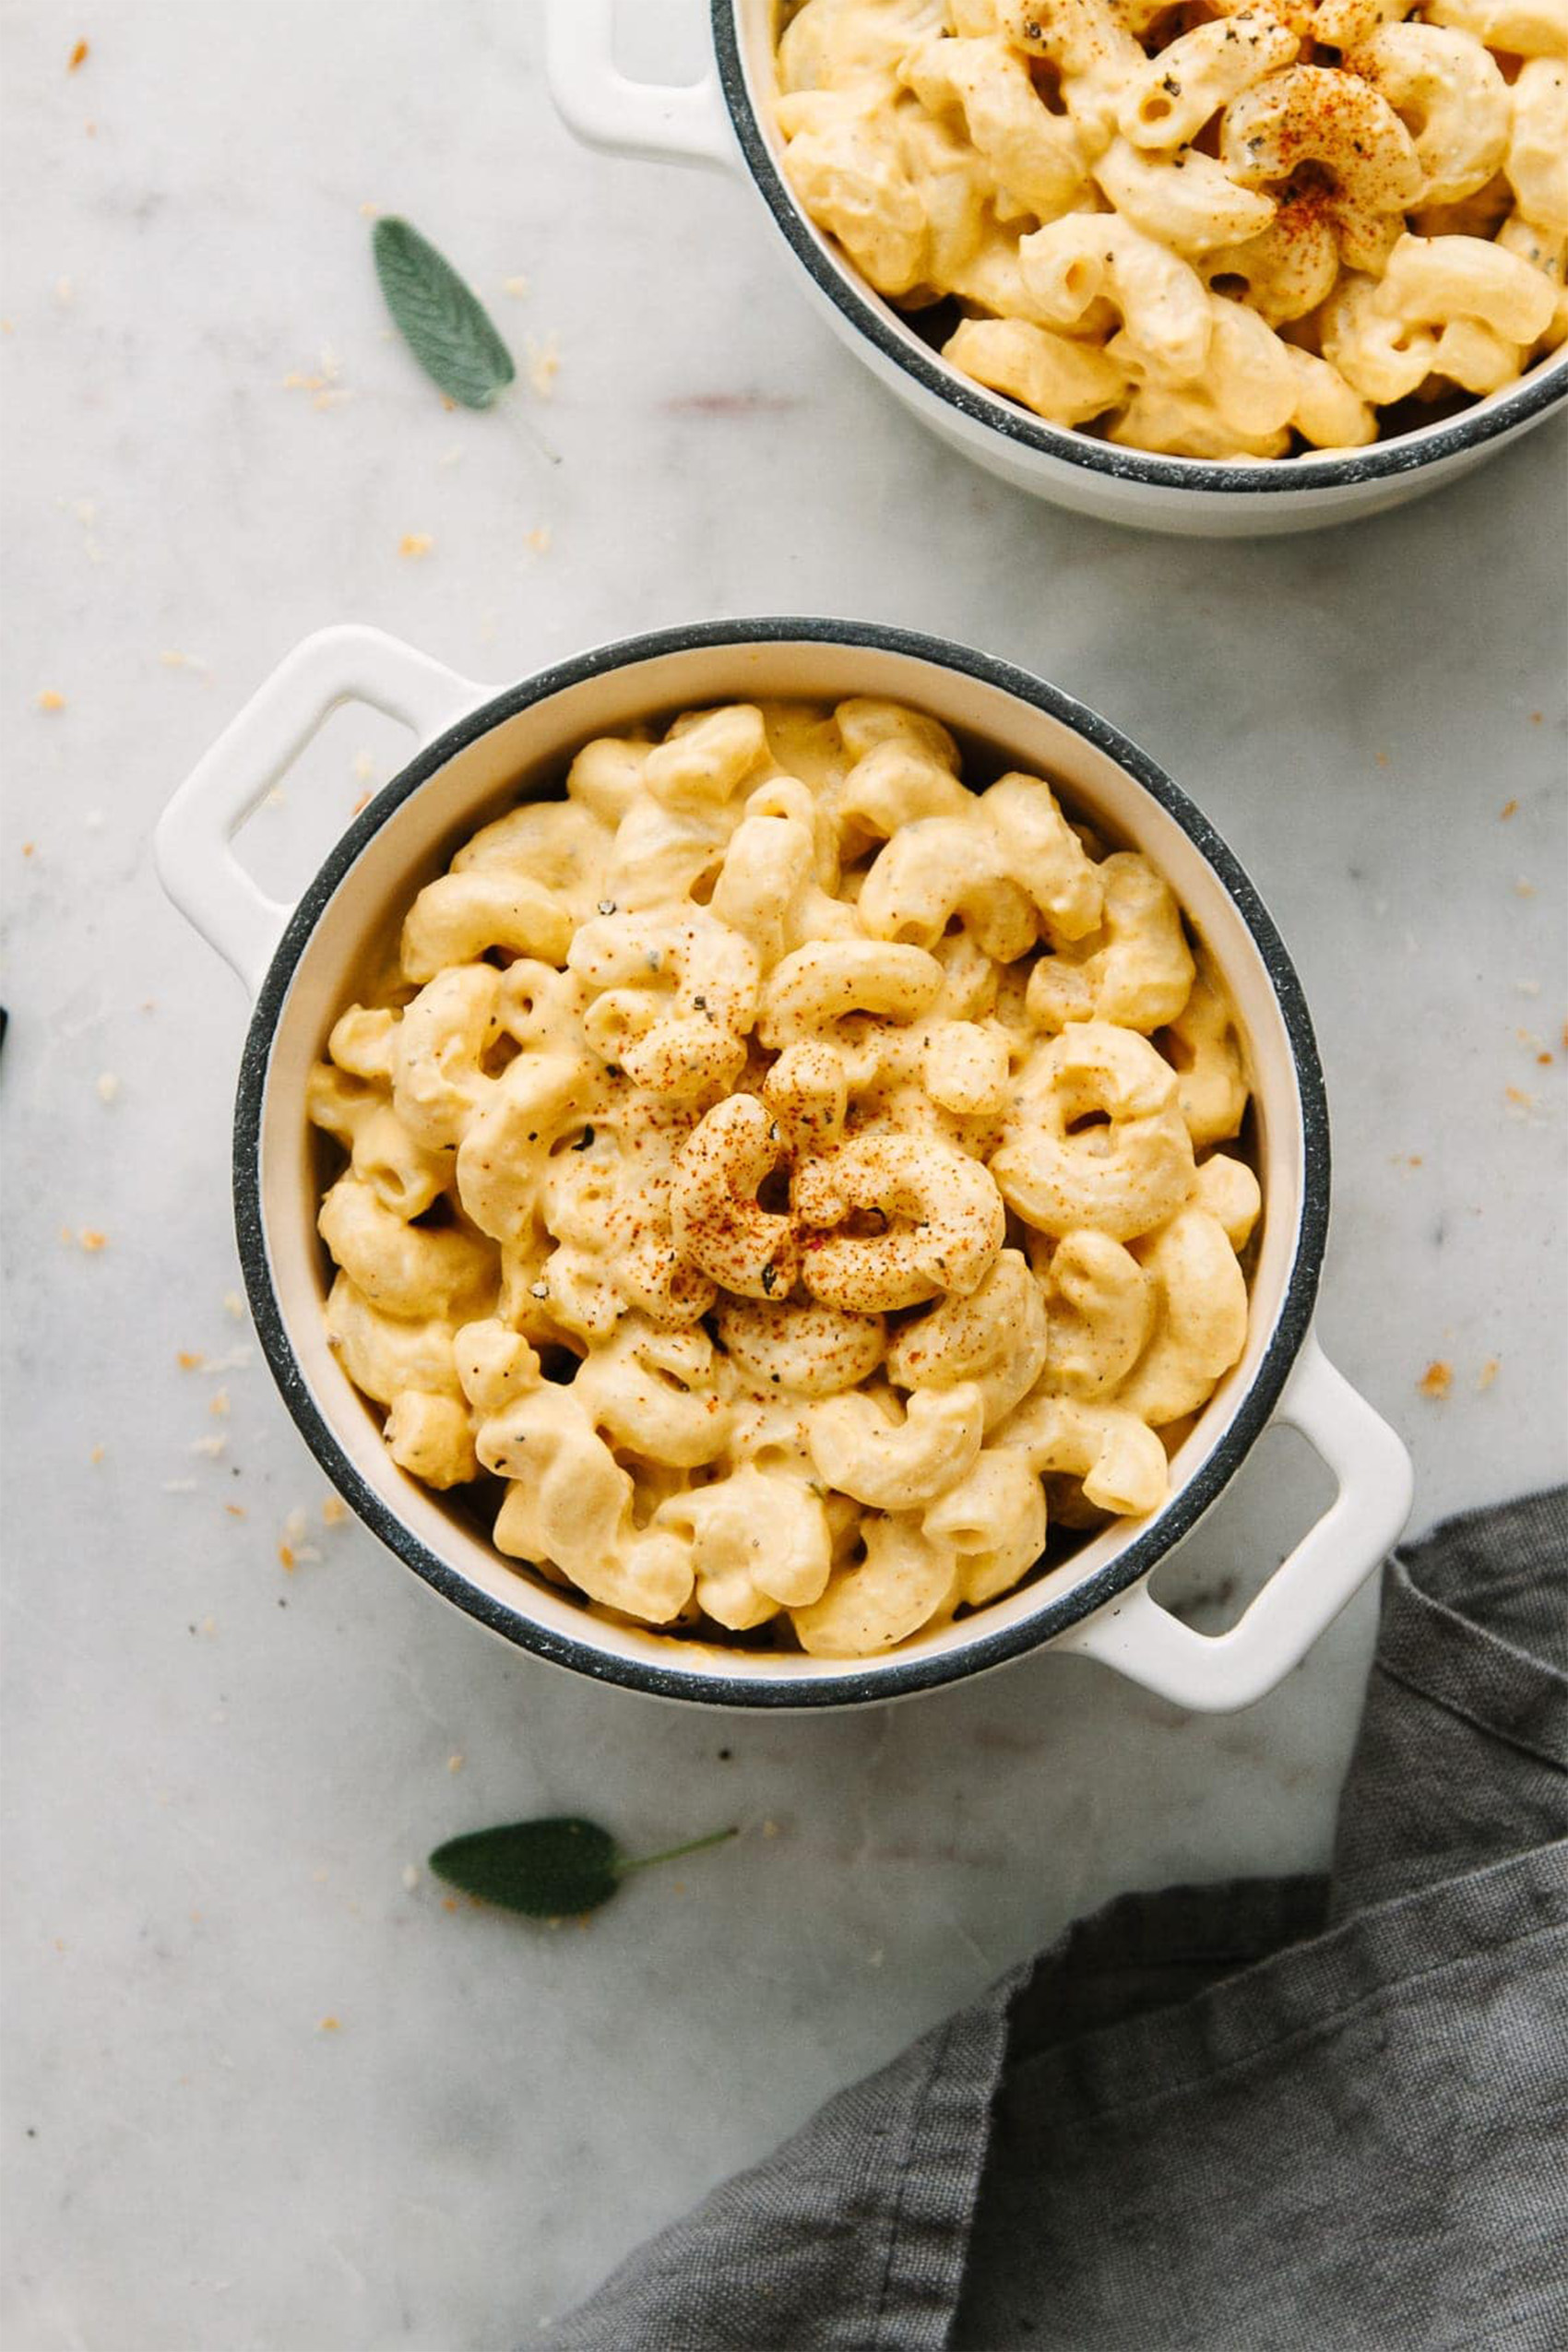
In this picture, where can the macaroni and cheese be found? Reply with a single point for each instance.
(796, 1174)
(1224, 229)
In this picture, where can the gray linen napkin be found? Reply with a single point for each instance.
(1325, 2114)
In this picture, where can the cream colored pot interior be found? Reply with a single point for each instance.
(526, 755)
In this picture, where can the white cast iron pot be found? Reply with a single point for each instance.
(727, 119)
(482, 751)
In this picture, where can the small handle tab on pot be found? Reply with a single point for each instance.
(193, 844)
(596, 99)
(1214, 1674)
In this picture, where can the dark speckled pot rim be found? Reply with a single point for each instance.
(1504, 413)
(898, 1677)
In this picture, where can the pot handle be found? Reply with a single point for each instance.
(595, 98)
(1213, 1674)
(191, 845)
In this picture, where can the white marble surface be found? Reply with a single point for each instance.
(217, 1772)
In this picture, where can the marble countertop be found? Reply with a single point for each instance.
(264, 2088)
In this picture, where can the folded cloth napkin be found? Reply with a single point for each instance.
(1320, 2113)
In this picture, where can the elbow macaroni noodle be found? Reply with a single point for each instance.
(793, 1174)
(1226, 229)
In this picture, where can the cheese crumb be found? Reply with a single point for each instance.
(334, 1510)
(453, 1763)
(1437, 1380)
(65, 292)
(50, 699)
(331, 2025)
(1509, 808)
(108, 1086)
(91, 1240)
(544, 364)
(234, 1305)
(190, 1360)
(78, 57)
(219, 1402)
(539, 540)
(515, 287)
(1487, 1373)
(415, 544)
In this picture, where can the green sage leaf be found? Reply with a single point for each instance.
(554, 1868)
(440, 317)
(550, 1870)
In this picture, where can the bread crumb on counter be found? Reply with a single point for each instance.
(517, 287)
(1488, 1373)
(331, 2026)
(453, 1763)
(219, 1403)
(294, 1552)
(1437, 1380)
(1509, 808)
(107, 1086)
(334, 1510)
(234, 1304)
